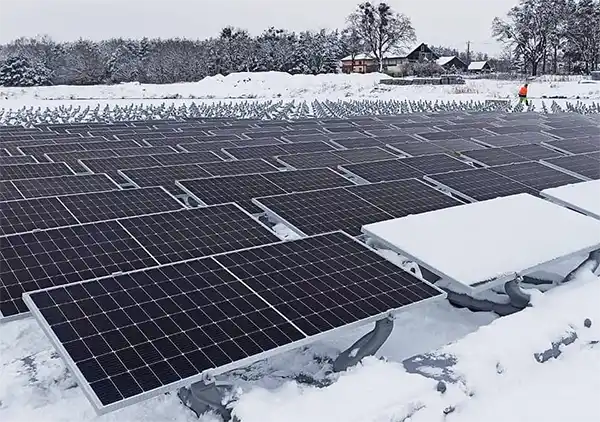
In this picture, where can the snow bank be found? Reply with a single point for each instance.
(275, 85)
(235, 85)
(500, 379)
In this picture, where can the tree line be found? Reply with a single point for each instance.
(372, 28)
(543, 35)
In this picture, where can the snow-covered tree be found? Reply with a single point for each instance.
(18, 71)
(381, 29)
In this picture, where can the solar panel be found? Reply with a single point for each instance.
(479, 184)
(496, 141)
(184, 319)
(310, 179)
(72, 158)
(379, 171)
(494, 156)
(533, 137)
(429, 164)
(186, 158)
(193, 233)
(32, 171)
(574, 146)
(154, 151)
(438, 136)
(304, 137)
(404, 197)
(260, 151)
(111, 165)
(322, 211)
(42, 259)
(232, 168)
(362, 155)
(8, 191)
(17, 159)
(221, 190)
(164, 176)
(574, 132)
(100, 206)
(41, 150)
(206, 146)
(312, 160)
(63, 185)
(535, 175)
(418, 148)
(515, 129)
(578, 164)
(533, 152)
(335, 158)
(365, 142)
(458, 145)
(326, 282)
(33, 214)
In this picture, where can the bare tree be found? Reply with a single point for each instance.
(381, 29)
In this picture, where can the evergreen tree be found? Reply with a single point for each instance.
(18, 71)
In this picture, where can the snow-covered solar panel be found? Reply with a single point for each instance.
(580, 196)
(445, 241)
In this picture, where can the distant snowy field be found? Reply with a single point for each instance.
(282, 86)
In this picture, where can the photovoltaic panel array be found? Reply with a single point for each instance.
(31, 214)
(166, 236)
(17, 159)
(241, 189)
(405, 168)
(34, 171)
(269, 151)
(322, 211)
(579, 164)
(535, 175)
(231, 168)
(512, 154)
(335, 158)
(63, 185)
(479, 184)
(41, 150)
(575, 146)
(111, 165)
(349, 208)
(192, 233)
(100, 206)
(42, 259)
(127, 336)
(165, 176)
(187, 158)
(403, 197)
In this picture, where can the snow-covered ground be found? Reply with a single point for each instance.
(277, 85)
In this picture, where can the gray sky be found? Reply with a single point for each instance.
(437, 22)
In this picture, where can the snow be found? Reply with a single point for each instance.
(497, 377)
(477, 65)
(583, 197)
(445, 59)
(285, 87)
(479, 242)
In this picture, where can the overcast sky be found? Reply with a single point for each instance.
(437, 22)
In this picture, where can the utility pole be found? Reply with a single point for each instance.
(468, 52)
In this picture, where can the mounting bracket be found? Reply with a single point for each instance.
(206, 395)
(518, 297)
(367, 345)
(209, 394)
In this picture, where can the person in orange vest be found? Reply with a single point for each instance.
(523, 95)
